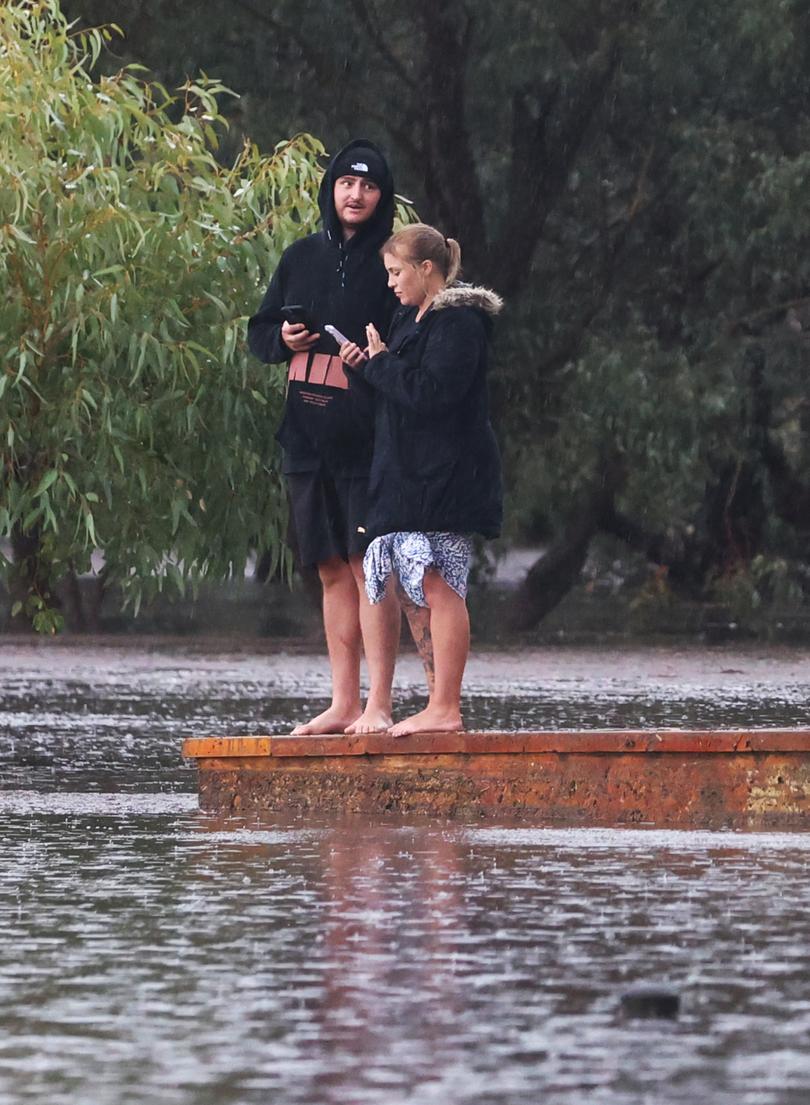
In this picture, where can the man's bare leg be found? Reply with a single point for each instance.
(450, 630)
(419, 625)
(341, 621)
(379, 623)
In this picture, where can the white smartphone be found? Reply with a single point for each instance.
(341, 339)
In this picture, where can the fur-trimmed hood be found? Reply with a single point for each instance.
(469, 295)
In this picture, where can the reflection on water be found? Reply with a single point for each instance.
(153, 955)
(172, 958)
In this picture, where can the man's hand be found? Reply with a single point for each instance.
(375, 343)
(296, 337)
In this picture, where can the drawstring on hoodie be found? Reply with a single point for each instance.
(341, 266)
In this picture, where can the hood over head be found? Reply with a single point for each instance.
(360, 157)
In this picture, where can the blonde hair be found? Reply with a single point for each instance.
(419, 242)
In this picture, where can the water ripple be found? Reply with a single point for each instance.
(155, 955)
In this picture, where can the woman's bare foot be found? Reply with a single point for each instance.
(370, 721)
(330, 721)
(429, 720)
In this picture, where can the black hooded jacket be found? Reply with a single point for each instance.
(436, 462)
(345, 284)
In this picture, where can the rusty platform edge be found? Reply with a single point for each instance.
(559, 742)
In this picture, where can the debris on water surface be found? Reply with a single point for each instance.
(650, 1002)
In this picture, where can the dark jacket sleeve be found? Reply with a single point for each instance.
(444, 372)
(264, 328)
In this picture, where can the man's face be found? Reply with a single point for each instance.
(356, 199)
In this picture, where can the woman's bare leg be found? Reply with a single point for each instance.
(379, 623)
(450, 630)
(341, 621)
(419, 625)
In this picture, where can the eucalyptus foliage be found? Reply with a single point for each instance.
(132, 419)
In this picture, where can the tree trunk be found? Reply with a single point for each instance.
(29, 578)
(551, 577)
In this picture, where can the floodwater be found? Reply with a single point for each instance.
(153, 955)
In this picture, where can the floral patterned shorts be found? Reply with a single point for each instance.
(409, 555)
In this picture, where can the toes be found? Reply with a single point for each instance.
(375, 725)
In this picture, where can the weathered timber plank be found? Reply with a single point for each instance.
(602, 741)
(195, 747)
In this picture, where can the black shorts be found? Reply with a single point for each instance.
(327, 516)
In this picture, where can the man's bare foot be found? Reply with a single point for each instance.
(429, 720)
(330, 721)
(370, 721)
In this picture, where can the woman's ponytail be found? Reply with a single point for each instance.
(453, 259)
(420, 242)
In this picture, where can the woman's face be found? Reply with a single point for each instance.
(406, 279)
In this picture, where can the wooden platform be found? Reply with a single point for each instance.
(669, 778)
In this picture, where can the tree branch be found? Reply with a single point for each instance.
(319, 61)
(447, 164)
(361, 10)
(539, 171)
(756, 322)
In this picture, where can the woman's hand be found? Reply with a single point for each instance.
(352, 354)
(375, 343)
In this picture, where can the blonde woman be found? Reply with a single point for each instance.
(435, 472)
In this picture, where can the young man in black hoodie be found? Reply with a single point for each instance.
(337, 276)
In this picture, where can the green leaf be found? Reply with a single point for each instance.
(20, 235)
(90, 526)
(46, 482)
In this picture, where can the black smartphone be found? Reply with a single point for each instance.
(294, 312)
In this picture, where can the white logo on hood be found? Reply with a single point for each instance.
(360, 167)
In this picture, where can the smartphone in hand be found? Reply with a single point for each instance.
(341, 339)
(333, 332)
(296, 313)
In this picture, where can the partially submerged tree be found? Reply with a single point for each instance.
(132, 419)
